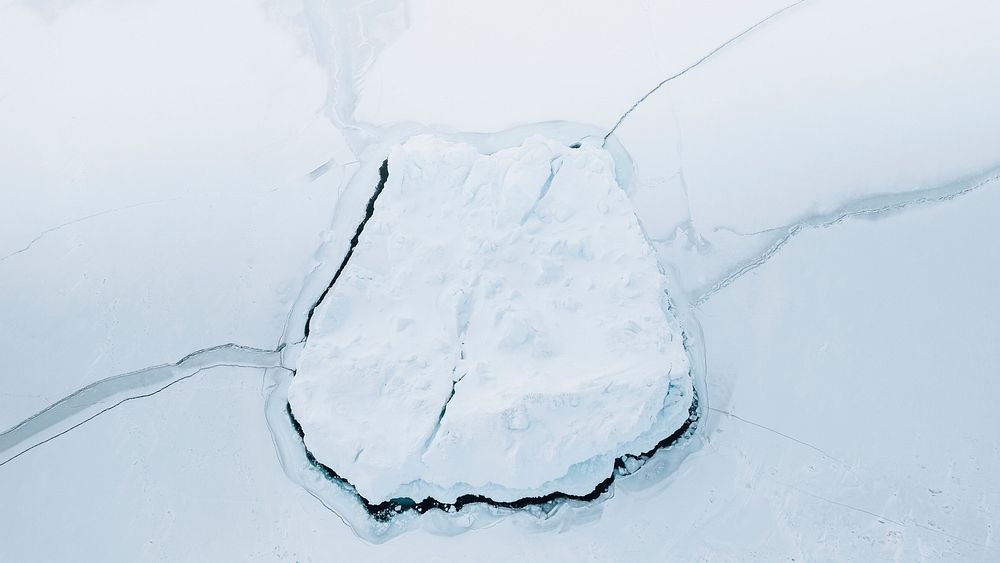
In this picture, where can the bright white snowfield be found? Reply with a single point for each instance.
(501, 329)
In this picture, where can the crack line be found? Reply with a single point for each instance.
(178, 363)
(895, 203)
(773, 431)
(444, 411)
(546, 185)
(697, 63)
(51, 230)
(92, 395)
(383, 172)
(883, 518)
(112, 407)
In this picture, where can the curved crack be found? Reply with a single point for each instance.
(867, 207)
(110, 408)
(444, 411)
(60, 226)
(698, 63)
(777, 433)
(82, 401)
(385, 511)
(383, 173)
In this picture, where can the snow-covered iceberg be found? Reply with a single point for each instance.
(501, 329)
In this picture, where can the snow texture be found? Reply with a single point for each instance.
(501, 329)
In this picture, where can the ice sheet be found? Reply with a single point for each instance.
(501, 329)
(821, 194)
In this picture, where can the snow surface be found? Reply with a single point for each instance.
(822, 192)
(501, 329)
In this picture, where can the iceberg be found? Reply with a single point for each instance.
(500, 328)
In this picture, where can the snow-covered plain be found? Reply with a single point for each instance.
(821, 193)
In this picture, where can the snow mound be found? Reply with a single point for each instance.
(501, 329)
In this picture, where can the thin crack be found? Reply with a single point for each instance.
(831, 501)
(51, 230)
(779, 433)
(928, 196)
(383, 172)
(844, 505)
(546, 185)
(749, 266)
(884, 518)
(92, 395)
(109, 408)
(699, 62)
(444, 411)
(553, 169)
